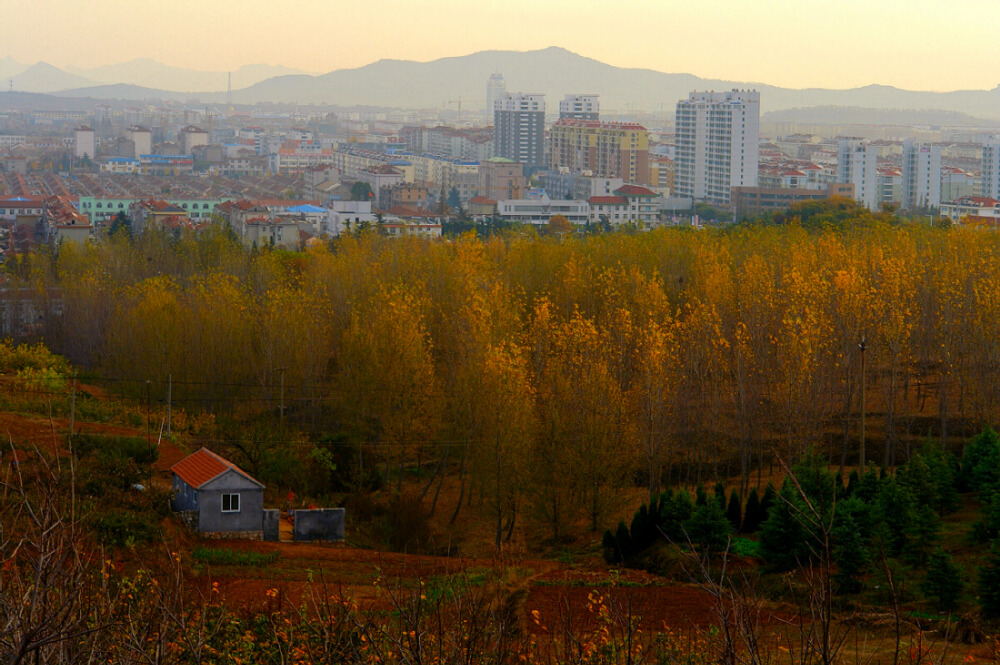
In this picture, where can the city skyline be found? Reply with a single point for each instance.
(776, 42)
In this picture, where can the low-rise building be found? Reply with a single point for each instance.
(748, 201)
(539, 209)
(222, 498)
(973, 210)
(345, 215)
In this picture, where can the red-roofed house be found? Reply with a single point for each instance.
(225, 500)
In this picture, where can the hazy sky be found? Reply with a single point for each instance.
(916, 44)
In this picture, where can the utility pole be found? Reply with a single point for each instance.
(170, 385)
(72, 407)
(281, 407)
(861, 456)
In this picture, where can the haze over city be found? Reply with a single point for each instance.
(913, 44)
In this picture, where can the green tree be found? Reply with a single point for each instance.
(989, 583)
(928, 477)
(734, 510)
(987, 528)
(719, 495)
(784, 540)
(121, 224)
(752, 516)
(700, 496)
(850, 554)
(943, 581)
(709, 528)
(454, 199)
(361, 191)
(674, 512)
(894, 513)
(981, 464)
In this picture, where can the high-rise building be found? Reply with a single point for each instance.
(191, 137)
(579, 107)
(85, 143)
(605, 149)
(857, 164)
(495, 91)
(990, 183)
(519, 129)
(717, 144)
(142, 137)
(921, 175)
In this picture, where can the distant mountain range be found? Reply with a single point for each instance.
(441, 83)
(141, 72)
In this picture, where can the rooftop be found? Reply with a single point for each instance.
(203, 466)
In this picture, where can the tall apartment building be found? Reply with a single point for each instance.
(990, 183)
(857, 164)
(142, 137)
(496, 89)
(192, 137)
(519, 129)
(921, 175)
(580, 107)
(606, 149)
(717, 144)
(84, 144)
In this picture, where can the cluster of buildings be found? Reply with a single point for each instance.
(520, 163)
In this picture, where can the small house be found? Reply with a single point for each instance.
(218, 497)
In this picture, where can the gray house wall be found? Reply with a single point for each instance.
(185, 496)
(211, 519)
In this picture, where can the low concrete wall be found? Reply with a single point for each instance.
(324, 524)
(272, 525)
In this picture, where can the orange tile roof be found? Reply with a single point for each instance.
(199, 468)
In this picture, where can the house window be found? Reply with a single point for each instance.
(230, 503)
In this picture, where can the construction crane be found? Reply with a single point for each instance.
(458, 102)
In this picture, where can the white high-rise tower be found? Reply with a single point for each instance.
(990, 183)
(717, 144)
(857, 164)
(921, 175)
(496, 89)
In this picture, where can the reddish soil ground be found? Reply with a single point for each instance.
(40, 431)
(561, 595)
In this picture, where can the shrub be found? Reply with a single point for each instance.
(133, 448)
(406, 527)
(123, 529)
(745, 547)
(225, 557)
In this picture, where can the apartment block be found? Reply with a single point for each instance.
(604, 149)
(857, 164)
(579, 107)
(519, 129)
(990, 183)
(717, 144)
(921, 175)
